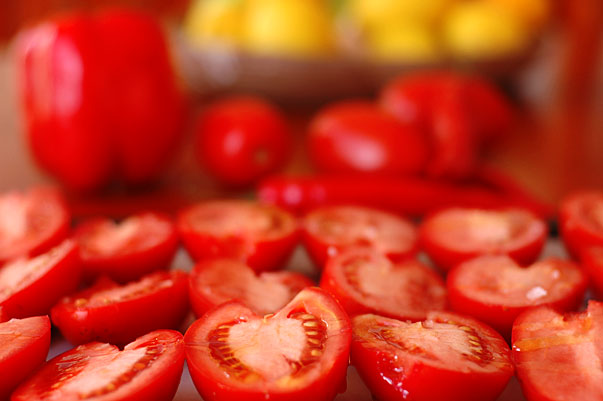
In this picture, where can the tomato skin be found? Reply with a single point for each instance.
(240, 139)
(581, 221)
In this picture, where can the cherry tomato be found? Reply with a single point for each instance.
(147, 369)
(446, 357)
(126, 251)
(108, 312)
(357, 136)
(365, 281)
(557, 356)
(454, 235)
(592, 260)
(241, 139)
(495, 289)
(262, 236)
(581, 221)
(300, 353)
(329, 230)
(23, 347)
(30, 287)
(31, 222)
(216, 281)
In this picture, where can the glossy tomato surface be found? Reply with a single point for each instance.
(581, 221)
(299, 353)
(331, 229)
(365, 281)
(557, 356)
(118, 314)
(240, 139)
(127, 250)
(216, 281)
(31, 286)
(454, 235)
(495, 289)
(262, 236)
(31, 222)
(446, 357)
(146, 369)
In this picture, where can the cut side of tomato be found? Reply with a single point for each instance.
(364, 281)
(581, 221)
(592, 260)
(128, 250)
(455, 235)
(329, 230)
(495, 289)
(558, 357)
(446, 357)
(31, 222)
(146, 369)
(117, 314)
(216, 281)
(262, 236)
(30, 287)
(299, 353)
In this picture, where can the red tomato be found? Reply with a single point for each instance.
(31, 222)
(241, 139)
(29, 287)
(23, 347)
(581, 221)
(126, 251)
(557, 356)
(455, 235)
(108, 312)
(298, 354)
(446, 357)
(495, 289)
(592, 260)
(147, 369)
(331, 229)
(262, 236)
(356, 136)
(365, 281)
(216, 281)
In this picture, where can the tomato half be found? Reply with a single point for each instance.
(592, 260)
(128, 250)
(495, 289)
(117, 314)
(24, 345)
(581, 221)
(557, 356)
(262, 236)
(30, 287)
(454, 235)
(446, 357)
(329, 230)
(216, 281)
(147, 369)
(298, 354)
(31, 222)
(365, 281)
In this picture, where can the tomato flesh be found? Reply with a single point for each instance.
(592, 260)
(581, 221)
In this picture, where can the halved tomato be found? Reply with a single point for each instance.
(365, 281)
(23, 347)
(147, 369)
(262, 236)
(31, 222)
(329, 230)
(558, 357)
(299, 354)
(454, 235)
(117, 314)
(29, 287)
(126, 251)
(446, 357)
(592, 260)
(216, 281)
(581, 221)
(495, 289)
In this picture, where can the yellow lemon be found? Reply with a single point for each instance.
(405, 43)
(215, 21)
(373, 13)
(534, 13)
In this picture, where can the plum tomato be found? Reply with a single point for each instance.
(592, 261)
(298, 354)
(581, 221)
(445, 357)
